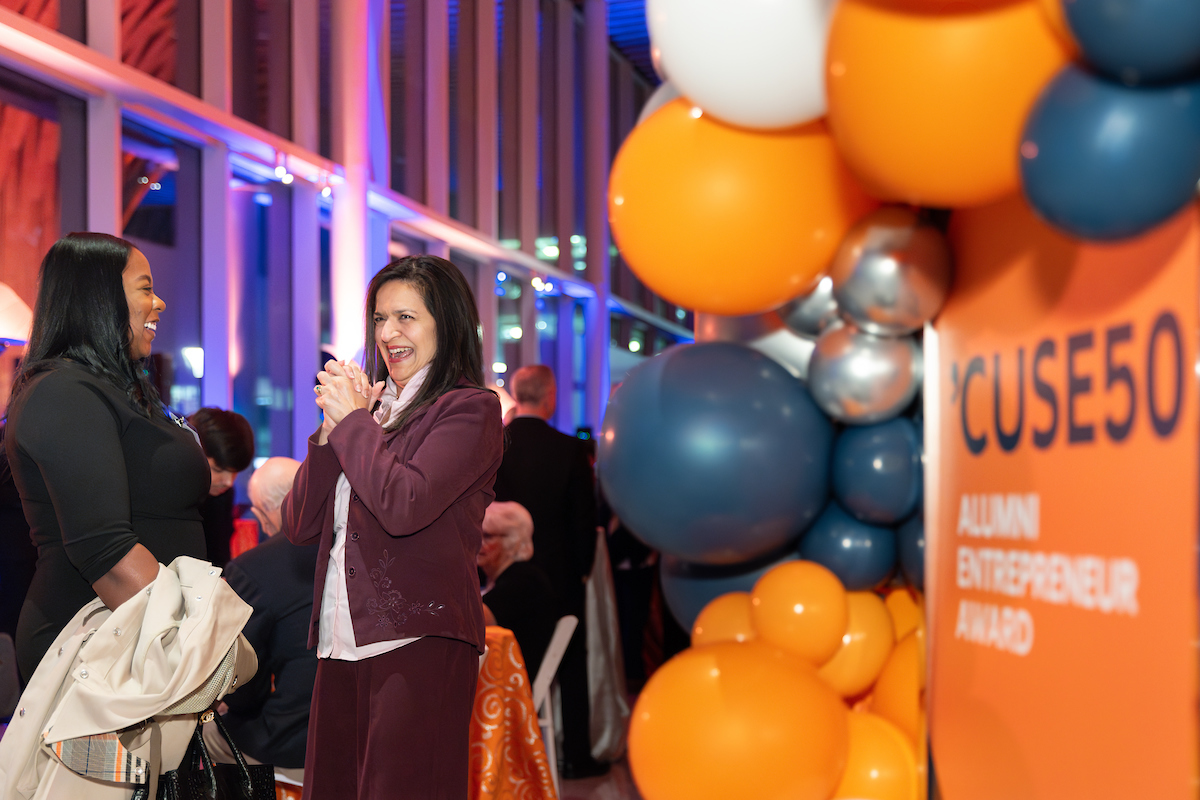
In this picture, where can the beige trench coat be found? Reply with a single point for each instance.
(110, 671)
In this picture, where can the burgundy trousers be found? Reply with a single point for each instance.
(393, 727)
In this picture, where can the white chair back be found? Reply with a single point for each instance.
(542, 694)
(553, 657)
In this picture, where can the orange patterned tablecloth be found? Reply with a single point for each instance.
(508, 759)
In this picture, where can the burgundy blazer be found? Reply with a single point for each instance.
(415, 521)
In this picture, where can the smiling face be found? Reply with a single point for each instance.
(405, 331)
(144, 304)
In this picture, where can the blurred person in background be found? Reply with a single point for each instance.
(517, 595)
(549, 473)
(268, 717)
(228, 442)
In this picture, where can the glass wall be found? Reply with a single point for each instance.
(262, 69)
(65, 16)
(406, 38)
(509, 332)
(42, 166)
(161, 216)
(508, 71)
(42, 169)
(260, 290)
(162, 39)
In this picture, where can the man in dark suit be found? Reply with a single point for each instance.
(549, 473)
(268, 717)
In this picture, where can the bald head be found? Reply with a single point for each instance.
(534, 389)
(268, 486)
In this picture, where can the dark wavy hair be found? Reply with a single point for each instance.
(451, 303)
(225, 436)
(82, 314)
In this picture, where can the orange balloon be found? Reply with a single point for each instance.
(928, 108)
(881, 765)
(801, 607)
(684, 186)
(725, 619)
(899, 692)
(907, 609)
(865, 648)
(737, 720)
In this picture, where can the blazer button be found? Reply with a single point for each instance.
(354, 536)
(351, 571)
(354, 497)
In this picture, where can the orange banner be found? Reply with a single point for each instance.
(1062, 513)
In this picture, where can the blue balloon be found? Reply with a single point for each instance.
(714, 453)
(861, 555)
(910, 540)
(1104, 161)
(688, 588)
(877, 471)
(1138, 41)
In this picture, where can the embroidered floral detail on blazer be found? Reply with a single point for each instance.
(390, 608)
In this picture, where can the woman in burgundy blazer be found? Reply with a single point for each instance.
(396, 500)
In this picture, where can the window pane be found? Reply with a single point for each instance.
(324, 77)
(162, 38)
(41, 167)
(161, 212)
(261, 288)
(399, 93)
(261, 56)
(42, 154)
(64, 16)
(508, 322)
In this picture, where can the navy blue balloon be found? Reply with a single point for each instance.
(877, 471)
(861, 555)
(688, 588)
(715, 454)
(1103, 161)
(1138, 41)
(910, 540)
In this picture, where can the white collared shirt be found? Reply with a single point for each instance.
(335, 638)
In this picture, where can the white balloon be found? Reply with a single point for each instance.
(753, 63)
(665, 93)
(656, 61)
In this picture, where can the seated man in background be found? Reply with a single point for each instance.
(228, 441)
(518, 595)
(268, 717)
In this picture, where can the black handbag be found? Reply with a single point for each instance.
(200, 778)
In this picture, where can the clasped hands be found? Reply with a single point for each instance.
(342, 388)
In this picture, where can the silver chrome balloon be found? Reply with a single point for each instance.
(862, 379)
(810, 314)
(891, 273)
(766, 333)
(665, 93)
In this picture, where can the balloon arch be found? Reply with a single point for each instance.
(793, 181)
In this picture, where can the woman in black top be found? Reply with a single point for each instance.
(109, 481)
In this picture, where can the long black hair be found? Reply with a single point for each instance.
(82, 314)
(451, 303)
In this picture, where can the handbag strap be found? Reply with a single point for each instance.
(199, 748)
(243, 766)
